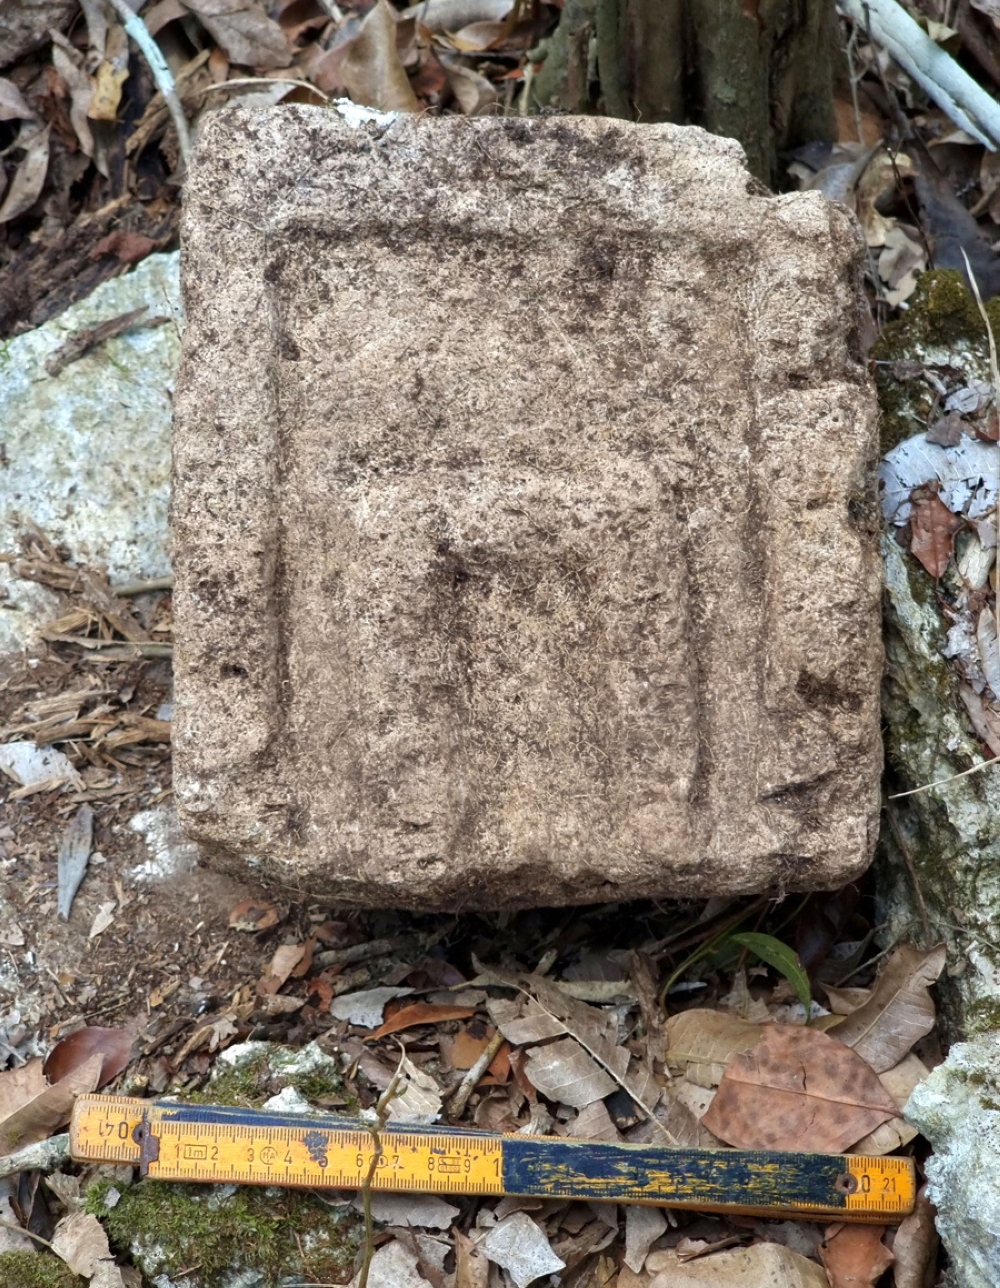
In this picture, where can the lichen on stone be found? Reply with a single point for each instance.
(942, 327)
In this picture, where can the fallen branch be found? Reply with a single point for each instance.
(137, 29)
(46, 1156)
(461, 1094)
(935, 71)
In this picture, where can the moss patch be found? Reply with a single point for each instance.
(36, 1270)
(210, 1230)
(247, 1083)
(169, 1228)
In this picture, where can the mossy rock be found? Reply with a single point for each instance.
(210, 1236)
(36, 1270)
(226, 1236)
(942, 326)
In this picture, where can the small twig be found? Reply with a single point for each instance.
(911, 867)
(995, 381)
(940, 782)
(46, 1156)
(143, 587)
(461, 1094)
(137, 29)
(935, 71)
(258, 81)
(375, 1119)
(11, 1225)
(359, 952)
(864, 965)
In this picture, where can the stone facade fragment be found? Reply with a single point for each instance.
(523, 515)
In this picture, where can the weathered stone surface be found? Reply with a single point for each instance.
(523, 515)
(958, 1110)
(940, 878)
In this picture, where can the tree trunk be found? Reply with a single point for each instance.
(761, 74)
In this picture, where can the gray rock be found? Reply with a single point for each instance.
(958, 1109)
(940, 881)
(523, 515)
(86, 453)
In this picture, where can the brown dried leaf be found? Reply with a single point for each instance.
(842, 1001)
(29, 177)
(854, 1256)
(594, 1123)
(900, 1010)
(701, 1043)
(158, 15)
(50, 1109)
(74, 855)
(900, 1082)
(760, 1264)
(420, 1013)
(643, 1226)
(523, 1021)
(418, 1098)
(915, 1246)
(284, 961)
(18, 1086)
(128, 247)
(253, 915)
(563, 1072)
(113, 1045)
(475, 94)
(451, 15)
(595, 1031)
(68, 62)
(244, 31)
(932, 529)
(947, 431)
(461, 1050)
(372, 70)
(110, 76)
(798, 1089)
(472, 1268)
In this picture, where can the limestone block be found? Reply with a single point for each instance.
(523, 515)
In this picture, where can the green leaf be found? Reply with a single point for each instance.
(782, 958)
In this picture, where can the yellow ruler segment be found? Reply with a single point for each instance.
(213, 1143)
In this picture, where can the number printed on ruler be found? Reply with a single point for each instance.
(883, 1184)
(304, 1156)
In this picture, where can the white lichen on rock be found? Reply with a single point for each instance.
(958, 1110)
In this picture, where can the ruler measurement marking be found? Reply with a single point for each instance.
(186, 1142)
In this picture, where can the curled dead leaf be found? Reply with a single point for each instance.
(253, 915)
(854, 1256)
(29, 177)
(420, 1013)
(12, 104)
(371, 68)
(900, 1010)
